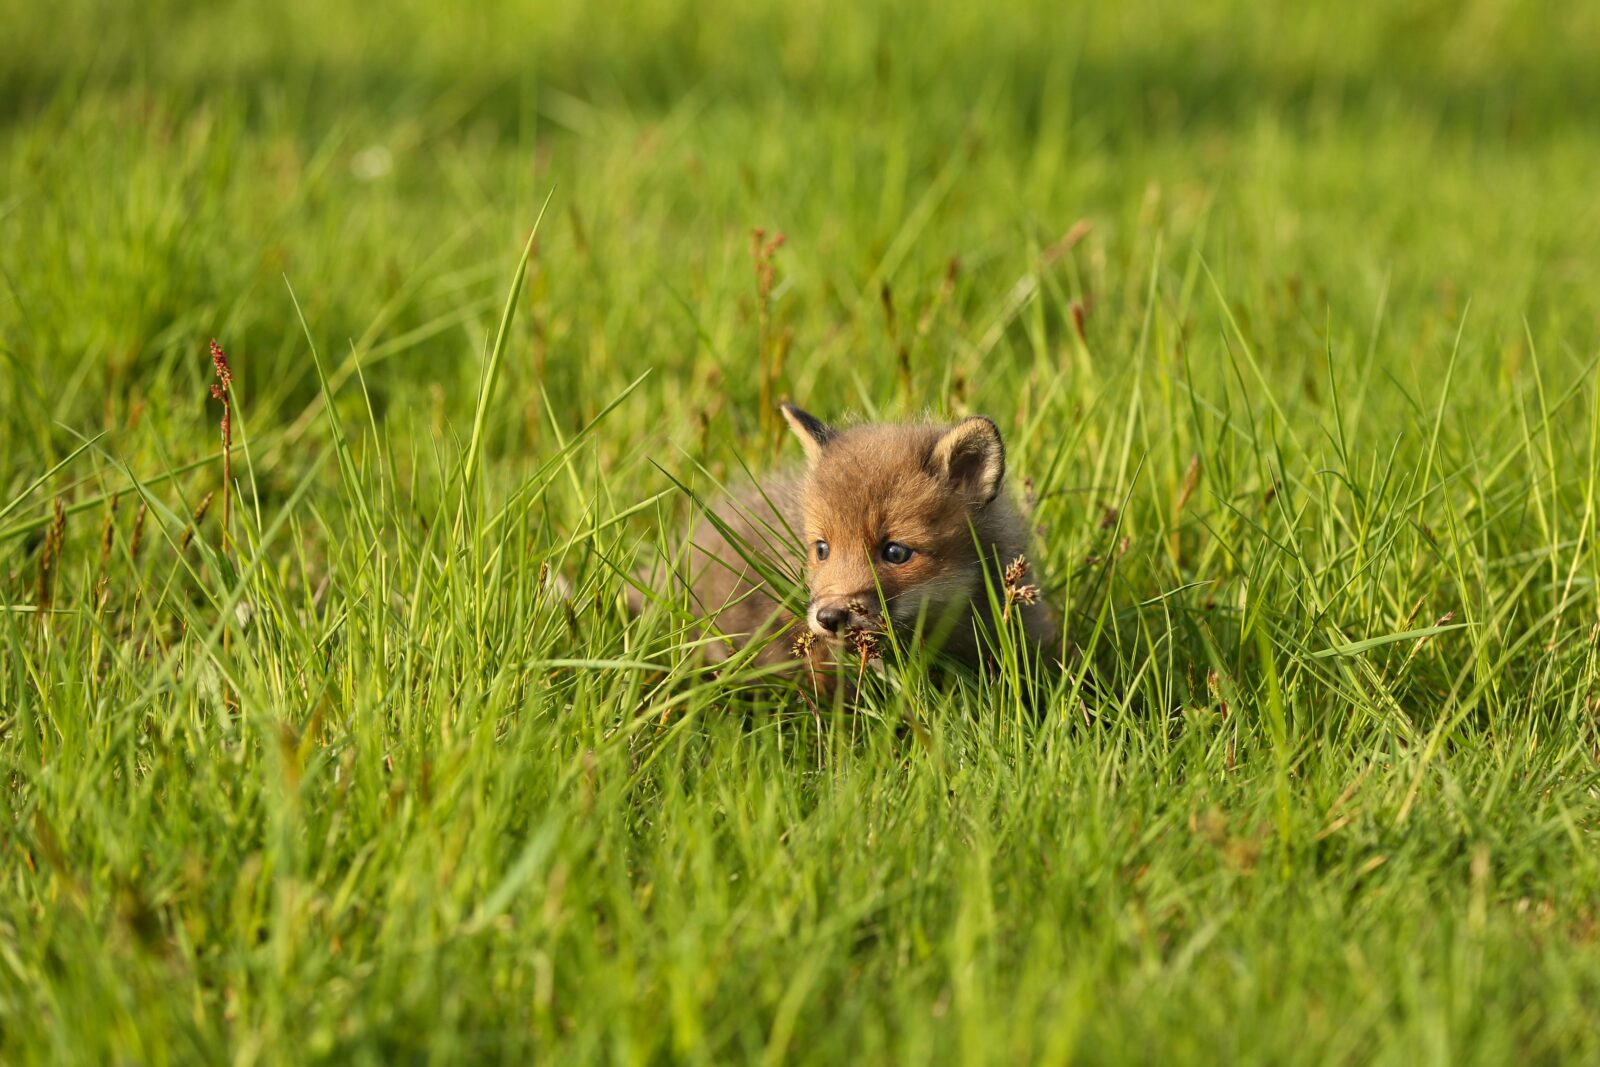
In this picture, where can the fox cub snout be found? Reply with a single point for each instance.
(892, 526)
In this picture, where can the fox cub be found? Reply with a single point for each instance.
(902, 526)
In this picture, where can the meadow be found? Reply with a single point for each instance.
(1290, 316)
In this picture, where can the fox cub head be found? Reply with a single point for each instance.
(894, 517)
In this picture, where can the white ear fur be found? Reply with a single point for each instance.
(814, 434)
(972, 457)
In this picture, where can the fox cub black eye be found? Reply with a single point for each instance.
(896, 553)
(822, 551)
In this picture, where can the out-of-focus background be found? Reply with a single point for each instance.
(168, 165)
(1289, 313)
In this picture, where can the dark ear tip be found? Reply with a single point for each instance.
(807, 425)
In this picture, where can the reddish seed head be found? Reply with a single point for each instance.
(761, 252)
(865, 642)
(219, 360)
(219, 392)
(1017, 591)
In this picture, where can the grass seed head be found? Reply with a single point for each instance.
(1017, 591)
(195, 520)
(50, 557)
(106, 530)
(219, 361)
(137, 538)
(222, 390)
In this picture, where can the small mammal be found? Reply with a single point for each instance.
(893, 524)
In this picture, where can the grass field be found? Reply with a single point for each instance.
(1290, 317)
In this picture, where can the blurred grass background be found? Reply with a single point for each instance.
(1300, 301)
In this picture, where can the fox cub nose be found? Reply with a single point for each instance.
(832, 617)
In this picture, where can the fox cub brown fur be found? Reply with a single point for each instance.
(902, 526)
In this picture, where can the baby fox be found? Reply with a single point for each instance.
(901, 526)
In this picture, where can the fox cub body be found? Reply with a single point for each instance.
(902, 526)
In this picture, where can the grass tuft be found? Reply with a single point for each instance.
(1290, 319)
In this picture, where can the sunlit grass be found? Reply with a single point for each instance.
(1291, 327)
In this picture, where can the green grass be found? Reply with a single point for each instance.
(1318, 477)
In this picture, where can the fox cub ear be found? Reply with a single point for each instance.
(814, 434)
(971, 456)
